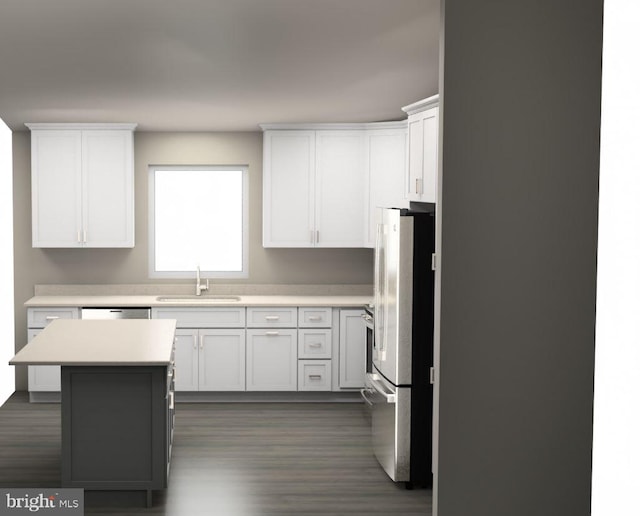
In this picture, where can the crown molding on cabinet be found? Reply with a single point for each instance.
(421, 105)
(82, 126)
(397, 124)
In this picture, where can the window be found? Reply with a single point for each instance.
(198, 218)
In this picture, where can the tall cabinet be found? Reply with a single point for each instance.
(82, 178)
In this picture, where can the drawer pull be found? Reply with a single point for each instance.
(315, 318)
(51, 317)
(315, 377)
(272, 318)
(271, 333)
(315, 345)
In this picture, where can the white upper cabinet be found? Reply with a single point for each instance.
(386, 164)
(322, 182)
(340, 189)
(314, 188)
(288, 190)
(82, 185)
(423, 123)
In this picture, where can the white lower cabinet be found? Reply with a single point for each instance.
(314, 375)
(210, 360)
(210, 347)
(45, 378)
(272, 357)
(352, 349)
(186, 357)
(222, 360)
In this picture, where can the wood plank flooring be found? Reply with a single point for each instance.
(234, 459)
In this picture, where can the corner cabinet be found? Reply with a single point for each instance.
(422, 149)
(82, 185)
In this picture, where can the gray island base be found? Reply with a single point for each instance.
(117, 412)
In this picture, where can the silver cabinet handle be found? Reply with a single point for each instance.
(315, 345)
(271, 333)
(78, 237)
(315, 318)
(315, 377)
(84, 236)
(171, 400)
(272, 318)
(201, 341)
(195, 342)
(51, 317)
(317, 236)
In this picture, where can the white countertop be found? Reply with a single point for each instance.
(101, 343)
(338, 301)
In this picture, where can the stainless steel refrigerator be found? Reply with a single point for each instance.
(398, 387)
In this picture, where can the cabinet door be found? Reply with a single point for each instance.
(107, 163)
(56, 185)
(352, 349)
(222, 360)
(386, 163)
(272, 360)
(288, 204)
(423, 155)
(186, 356)
(43, 378)
(340, 189)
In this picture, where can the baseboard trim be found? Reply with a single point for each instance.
(268, 397)
(44, 397)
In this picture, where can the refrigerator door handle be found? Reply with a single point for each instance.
(389, 396)
(363, 393)
(379, 272)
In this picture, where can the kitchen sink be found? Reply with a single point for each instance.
(190, 298)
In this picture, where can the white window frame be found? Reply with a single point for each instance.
(244, 273)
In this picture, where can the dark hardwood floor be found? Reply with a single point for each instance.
(234, 459)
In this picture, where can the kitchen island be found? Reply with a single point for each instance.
(116, 402)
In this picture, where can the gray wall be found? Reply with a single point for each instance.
(130, 266)
(520, 90)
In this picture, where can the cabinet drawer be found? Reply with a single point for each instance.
(314, 375)
(272, 317)
(314, 317)
(314, 343)
(40, 317)
(202, 317)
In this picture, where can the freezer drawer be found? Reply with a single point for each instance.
(390, 409)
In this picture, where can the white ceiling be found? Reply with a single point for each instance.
(210, 65)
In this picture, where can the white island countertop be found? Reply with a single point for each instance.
(72, 342)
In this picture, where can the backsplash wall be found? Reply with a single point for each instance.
(130, 266)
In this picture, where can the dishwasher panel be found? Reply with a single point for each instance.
(115, 313)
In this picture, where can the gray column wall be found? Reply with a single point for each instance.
(520, 91)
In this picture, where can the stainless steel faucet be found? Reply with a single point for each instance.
(199, 287)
